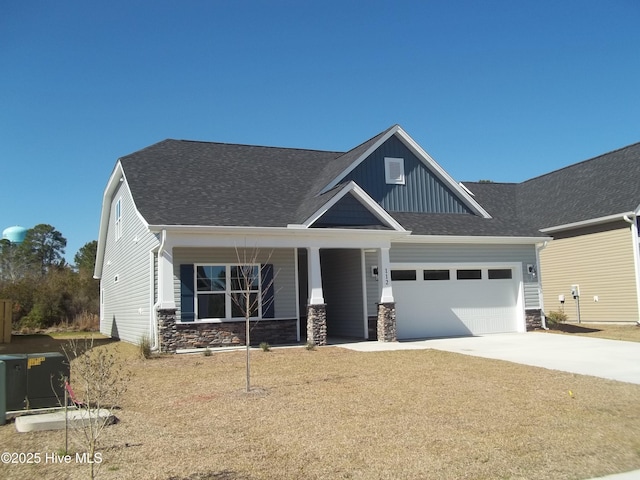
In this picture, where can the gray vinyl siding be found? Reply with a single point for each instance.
(373, 293)
(448, 253)
(422, 192)
(127, 305)
(283, 260)
(342, 289)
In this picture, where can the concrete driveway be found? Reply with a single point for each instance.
(612, 359)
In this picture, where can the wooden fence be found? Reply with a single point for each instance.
(5, 321)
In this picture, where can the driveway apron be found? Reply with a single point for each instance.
(611, 359)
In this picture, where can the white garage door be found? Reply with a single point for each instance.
(443, 302)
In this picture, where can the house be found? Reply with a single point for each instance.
(375, 243)
(591, 211)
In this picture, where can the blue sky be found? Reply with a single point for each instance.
(500, 90)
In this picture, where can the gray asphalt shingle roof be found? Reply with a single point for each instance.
(178, 182)
(599, 187)
(182, 182)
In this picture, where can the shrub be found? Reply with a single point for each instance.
(144, 345)
(32, 322)
(556, 319)
(310, 346)
(207, 352)
(265, 347)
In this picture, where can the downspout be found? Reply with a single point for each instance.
(636, 257)
(154, 317)
(543, 318)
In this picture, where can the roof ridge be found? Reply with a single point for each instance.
(255, 146)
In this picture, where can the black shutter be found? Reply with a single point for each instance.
(187, 297)
(268, 297)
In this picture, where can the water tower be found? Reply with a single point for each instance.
(14, 234)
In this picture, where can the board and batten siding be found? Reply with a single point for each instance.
(422, 191)
(126, 275)
(457, 254)
(283, 260)
(600, 261)
(342, 289)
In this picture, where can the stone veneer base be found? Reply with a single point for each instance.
(178, 336)
(387, 322)
(533, 319)
(317, 324)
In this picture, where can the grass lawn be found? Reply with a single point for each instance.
(337, 414)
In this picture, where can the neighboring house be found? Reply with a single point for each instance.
(590, 209)
(375, 243)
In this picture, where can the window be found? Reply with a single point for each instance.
(394, 171)
(475, 274)
(436, 274)
(118, 219)
(499, 273)
(403, 275)
(221, 291)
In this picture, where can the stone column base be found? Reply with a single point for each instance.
(317, 324)
(167, 330)
(533, 319)
(387, 322)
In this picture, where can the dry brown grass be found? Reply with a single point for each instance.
(333, 413)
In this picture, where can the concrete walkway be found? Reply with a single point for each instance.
(611, 359)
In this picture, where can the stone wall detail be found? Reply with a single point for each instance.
(178, 336)
(387, 322)
(317, 324)
(533, 319)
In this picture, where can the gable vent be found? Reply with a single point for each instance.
(394, 170)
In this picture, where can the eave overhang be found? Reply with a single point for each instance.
(116, 177)
(460, 239)
(591, 222)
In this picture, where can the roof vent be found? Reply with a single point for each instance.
(394, 171)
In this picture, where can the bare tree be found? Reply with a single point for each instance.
(251, 293)
(100, 379)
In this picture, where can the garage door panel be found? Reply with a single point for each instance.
(455, 307)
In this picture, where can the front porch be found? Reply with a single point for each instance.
(337, 292)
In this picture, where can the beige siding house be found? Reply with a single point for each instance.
(600, 260)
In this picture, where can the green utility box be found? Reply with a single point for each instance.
(34, 380)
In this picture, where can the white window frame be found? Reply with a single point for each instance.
(117, 219)
(228, 291)
(394, 171)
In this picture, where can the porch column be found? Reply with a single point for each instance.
(386, 307)
(316, 309)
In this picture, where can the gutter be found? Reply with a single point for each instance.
(631, 220)
(587, 223)
(154, 315)
(543, 318)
